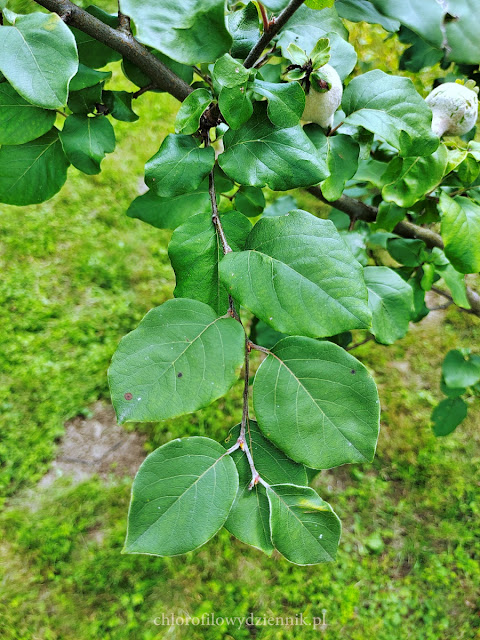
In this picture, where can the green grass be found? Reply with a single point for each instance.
(77, 274)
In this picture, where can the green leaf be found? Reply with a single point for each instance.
(244, 28)
(407, 180)
(320, 54)
(318, 5)
(389, 215)
(462, 33)
(38, 56)
(307, 393)
(169, 213)
(34, 171)
(250, 201)
(449, 391)
(86, 141)
(455, 281)
(190, 31)
(424, 18)
(390, 299)
(235, 106)
(298, 276)
(342, 162)
(420, 55)
(306, 27)
(280, 207)
(195, 251)
(460, 227)
(305, 529)
(86, 100)
(365, 11)
(21, 121)
(408, 252)
(249, 519)
(119, 105)
(191, 110)
(296, 55)
(91, 52)
(86, 77)
(447, 415)
(179, 166)
(229, 72)
(180, 358)
(260, 154)
(181, 497)
(390, 107)
(459, 371)
(286, 102)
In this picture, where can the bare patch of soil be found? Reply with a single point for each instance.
(96, 446)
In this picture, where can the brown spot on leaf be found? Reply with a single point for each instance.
(128, 396)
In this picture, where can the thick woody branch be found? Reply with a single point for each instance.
(358, 210)
(273, 28)
(122, 41)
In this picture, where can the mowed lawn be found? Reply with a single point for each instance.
(77, 274)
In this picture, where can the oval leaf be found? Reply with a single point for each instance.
(250, 515)
(317, 403)
(299, 277)
(38, 56)
(86, 141)
(34, 171)
(180, 358)
(305, 529)
(181, 497)
(21, 121)
(461, 232)
(259, 154)
(390, 299)
(390, 107)
(179, 166)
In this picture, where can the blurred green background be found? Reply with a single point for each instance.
(77, 274)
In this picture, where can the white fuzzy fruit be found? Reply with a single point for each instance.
(320, 107)
(454, 108)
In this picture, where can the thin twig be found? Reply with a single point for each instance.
(246, 384)
(142, 90)
(204, 76)
(332, 131)
(359, 344)
(226, 248)
(271, 32)
(61, 113)
(124, 23)
(263, 13)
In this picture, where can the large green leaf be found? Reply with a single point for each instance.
(180, 358)
(462, 32)
(299, 277)
(342, 162)
(34, 171)
(390, 107)
(38, 56)
(249, 518)
(169, 213)
(447, 415)
(286, 101)
(86, 141)
(305, 529)
(317, 403)
(91, 52)
(181, 497)
(235, 105)
(461, 232)
(460, 372)
(424, 18)
(407, 180)
(244, 27)
(190, 31)
(179, 166)
(390, 299)
(195, 251)
(259, 154)
(189, 114)
(364, 10)
(21, 121)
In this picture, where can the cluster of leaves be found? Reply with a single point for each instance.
(301, 284)
(460, 377)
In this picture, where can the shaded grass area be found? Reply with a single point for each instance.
(77, 275)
